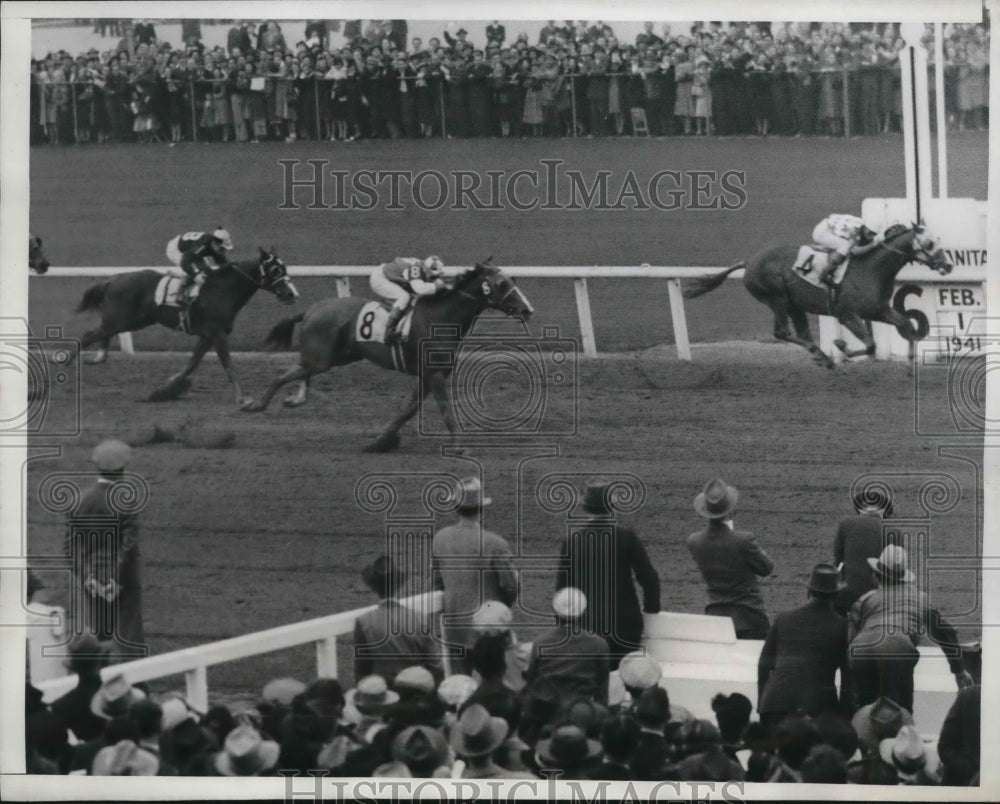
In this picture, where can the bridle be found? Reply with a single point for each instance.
(489, 302)
(265, 282)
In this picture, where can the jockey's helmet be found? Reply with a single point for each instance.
(433, 266)
(223, 237)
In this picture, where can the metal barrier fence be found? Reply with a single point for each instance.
(846, 100)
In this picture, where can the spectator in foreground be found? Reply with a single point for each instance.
(859, 538)
(803, 651)
(474, 738)
(884, 627)
(600, 558)
(87, 656)
(465, 590)
(392, 637)
(959, 741)
(571, 657)
(730, 561)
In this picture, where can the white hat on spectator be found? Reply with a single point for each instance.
(282, 690)
(111, 455)
(417, 678)
(493, 618)
(456, 690)
(175, 712)
(569, 603)
(639, 671)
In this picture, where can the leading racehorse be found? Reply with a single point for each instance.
(864, 294)
(128, 303)
(329, 337)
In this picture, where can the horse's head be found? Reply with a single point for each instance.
(496, 290)
(272, 274)
(924, 246)
(37, 261)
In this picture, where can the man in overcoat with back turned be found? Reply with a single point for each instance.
(601, 558)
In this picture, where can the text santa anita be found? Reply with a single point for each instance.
(312, 184)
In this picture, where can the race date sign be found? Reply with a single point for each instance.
(958, 307)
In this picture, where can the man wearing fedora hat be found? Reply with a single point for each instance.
(601, 558)
(884, 628)
(859, 538)
(87, 657)
(392, 637)
(730, 561)
(907, 754)
(471, 565)
(475, 737)
(570, 752)
(803, 651)
(103, 544)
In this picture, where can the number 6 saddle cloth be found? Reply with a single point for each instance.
(810, 262)
(370, 324)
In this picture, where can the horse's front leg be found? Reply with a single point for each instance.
(179, 383)
(222, 350)
(860, 329)
(389, 440)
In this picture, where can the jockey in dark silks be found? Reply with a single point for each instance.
(199, 255)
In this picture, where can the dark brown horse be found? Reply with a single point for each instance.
(37, 260)
(864, 294)
(127, 303)
(329, 337)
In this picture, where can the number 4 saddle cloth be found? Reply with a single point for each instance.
(810, 262)
(371, 321)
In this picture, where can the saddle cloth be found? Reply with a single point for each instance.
(168, 291)
(370, 324)
(810, 262)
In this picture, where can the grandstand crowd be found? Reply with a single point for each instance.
(576, 79)
(576, 698)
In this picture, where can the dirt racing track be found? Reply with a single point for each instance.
(253, 520)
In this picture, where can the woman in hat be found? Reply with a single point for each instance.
(570, 752)
(884, 627)
(730, 561)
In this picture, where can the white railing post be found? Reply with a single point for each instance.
(679, 318)
(125, 339)
(343, 286)
(197, 688)
(586, 322)
(326, 657)
(829, 331)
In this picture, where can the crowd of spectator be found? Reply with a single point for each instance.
(474, 695)
(576, 79)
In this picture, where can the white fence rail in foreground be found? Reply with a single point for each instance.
(579, 275)
(699, 653)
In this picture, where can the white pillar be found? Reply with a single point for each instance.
(916, 118)
(942, 118)
(679, 319)
(125, 339)
(586, 321)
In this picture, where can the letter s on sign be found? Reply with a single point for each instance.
(917, 318)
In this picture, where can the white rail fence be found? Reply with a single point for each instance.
(700, 655)
(579, 275)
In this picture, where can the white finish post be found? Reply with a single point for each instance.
(326, 658)
(343, 286)
(586, 322)
(916, 118)
(197, 688)
(679, 318)
(125, 339)
(942, 121)
(829, 331)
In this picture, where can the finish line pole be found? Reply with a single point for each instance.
(916, 118)
(940, 113)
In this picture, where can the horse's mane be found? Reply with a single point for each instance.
(895, 231)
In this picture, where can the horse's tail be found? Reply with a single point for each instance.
(280, 336)
(93, 297)
(703, 284)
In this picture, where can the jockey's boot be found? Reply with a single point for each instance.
(392, 324)
(826, 275)
(191, 293)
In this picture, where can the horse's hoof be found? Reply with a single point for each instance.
(293, 402)
(94, 361)
(244, 402)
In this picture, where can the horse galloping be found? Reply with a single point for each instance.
(329, 337)
(128, 303)
(863, 296)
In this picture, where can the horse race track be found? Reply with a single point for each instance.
(268, 531)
